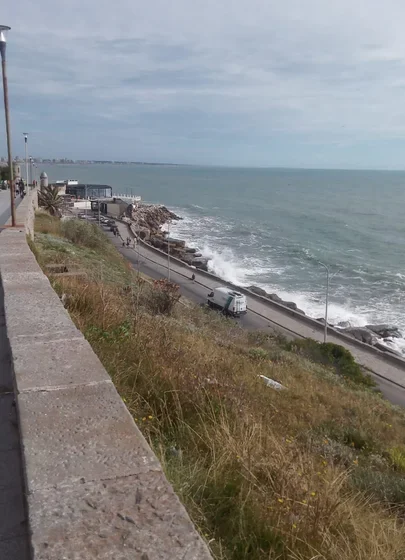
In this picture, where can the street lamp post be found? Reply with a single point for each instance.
(25, 134)
(31, 174)
(168, 251)
(3, 43)
(325, 335)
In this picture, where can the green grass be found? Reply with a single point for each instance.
(315, 471)
(331, 355)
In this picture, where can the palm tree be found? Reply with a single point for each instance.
(49, 200)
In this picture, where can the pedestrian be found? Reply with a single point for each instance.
(193, 277)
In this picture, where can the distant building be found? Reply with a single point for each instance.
(113, 207)
(89, 191)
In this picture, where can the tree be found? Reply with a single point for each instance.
(50, 200)
(4, 173)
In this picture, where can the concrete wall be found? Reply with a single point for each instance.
(95, 490)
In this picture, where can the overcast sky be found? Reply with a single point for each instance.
(225, 82)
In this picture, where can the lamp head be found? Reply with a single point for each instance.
(3, 33)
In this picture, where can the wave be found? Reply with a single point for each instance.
(251, 264)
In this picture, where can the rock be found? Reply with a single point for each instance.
(276, 298)
(384, 348)
(271, 383)
(298, 310)
(150, 216)
(385, 331)
(344, 325)
(258, 291)
(290, 305)
(362, 334)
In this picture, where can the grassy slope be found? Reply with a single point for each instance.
(316, 471)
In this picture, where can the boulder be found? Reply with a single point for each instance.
(362, 334)
(344, 325)
(385, 331)
(258, 291)
(276, 298)
(298, 310)
(290, 305)
(322, 320)
(385, 348)
(150, 216)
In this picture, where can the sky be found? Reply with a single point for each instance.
(297, 83)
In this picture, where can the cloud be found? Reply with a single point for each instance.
(252, 83)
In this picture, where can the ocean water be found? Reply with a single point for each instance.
(272, 227)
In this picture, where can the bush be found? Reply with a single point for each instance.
(332, 355)
(385, 486)
(397, 457)
(164, 296)
(84, 233)
(258, 354)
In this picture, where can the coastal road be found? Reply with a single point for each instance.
(389, 377)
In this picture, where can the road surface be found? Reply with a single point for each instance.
(389, 377)
(5, 206)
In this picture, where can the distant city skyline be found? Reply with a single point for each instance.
(293, 84)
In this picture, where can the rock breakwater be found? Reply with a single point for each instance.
(147, 221)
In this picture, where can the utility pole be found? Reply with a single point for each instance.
(25, 134)
(3, 44)
(325, 335)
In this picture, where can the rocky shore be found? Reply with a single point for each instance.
(275, 298)
(147, 220)
(380, 336)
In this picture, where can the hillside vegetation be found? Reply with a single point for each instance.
(315, 471)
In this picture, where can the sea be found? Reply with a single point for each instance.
(273, 227)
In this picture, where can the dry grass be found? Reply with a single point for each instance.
(296, 474)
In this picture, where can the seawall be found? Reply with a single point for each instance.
(94, 488)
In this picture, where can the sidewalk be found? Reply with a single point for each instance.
(13, 521)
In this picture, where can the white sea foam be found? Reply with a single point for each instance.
(208, 235)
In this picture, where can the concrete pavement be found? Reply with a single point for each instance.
(13, 520)
(389, 377)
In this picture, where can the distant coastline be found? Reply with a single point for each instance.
(3, 162)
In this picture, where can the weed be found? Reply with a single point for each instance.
(333, 355)
(397, 457)
(258, 354)
(264, 474)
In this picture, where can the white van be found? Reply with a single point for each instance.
(227, 300)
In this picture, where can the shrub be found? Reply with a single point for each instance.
(258, 354)
(164, 296)
(332, 355)
(385, 486)
(84, 233)
(397, 457)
